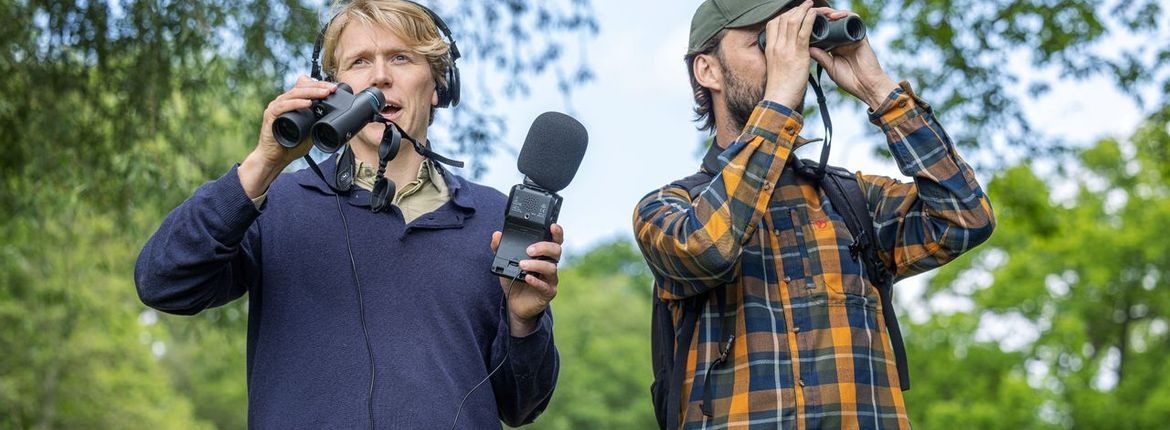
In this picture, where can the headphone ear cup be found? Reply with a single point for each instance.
(444, 96)
(449, 94)
(452, 90)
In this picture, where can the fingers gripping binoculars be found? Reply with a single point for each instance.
(331, 121)
(827, 34)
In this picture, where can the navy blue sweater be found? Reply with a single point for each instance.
(432, 307)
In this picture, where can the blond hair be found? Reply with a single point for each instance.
(406, 20)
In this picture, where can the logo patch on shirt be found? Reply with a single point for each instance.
(821, 223)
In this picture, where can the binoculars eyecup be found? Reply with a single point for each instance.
(828, 34)
(291, 128)
(332, 121)
(339, 125)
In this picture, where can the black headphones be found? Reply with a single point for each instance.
(448, 94)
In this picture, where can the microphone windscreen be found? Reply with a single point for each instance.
(553, 150)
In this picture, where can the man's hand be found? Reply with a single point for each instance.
(531, 295)
(261, 167)
(854, 67)
(787, 55)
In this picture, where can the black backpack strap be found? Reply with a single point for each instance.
(672, 340)
(691, 309)
(845, 194)
(695, 184)
(727, 337)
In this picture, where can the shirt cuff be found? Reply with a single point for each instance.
(901, 105)
(775, 122)
(259, 200)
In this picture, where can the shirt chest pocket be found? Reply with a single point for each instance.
(842, 272)
(814, 248)
(793, 255)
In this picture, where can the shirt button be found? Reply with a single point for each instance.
(902, 104)
(789, 129)
(787, 279)
(801, 382)
(776, 232)
(796, 329)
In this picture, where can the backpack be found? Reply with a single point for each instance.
(669, 344)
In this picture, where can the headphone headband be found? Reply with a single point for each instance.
(448, 94)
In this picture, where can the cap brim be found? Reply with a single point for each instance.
(765, 11)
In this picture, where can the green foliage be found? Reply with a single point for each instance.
(602, 330)
(956, 52)
(617, 257)
(75, 354)
(121, 115)
(206, 360)
(1084, 273)
(962, 383)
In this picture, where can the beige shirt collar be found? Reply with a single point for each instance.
(427, 192)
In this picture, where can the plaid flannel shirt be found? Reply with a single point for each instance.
(811, 349)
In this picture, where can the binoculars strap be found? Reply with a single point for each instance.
(822, 106)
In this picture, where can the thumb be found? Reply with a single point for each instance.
(823, 58)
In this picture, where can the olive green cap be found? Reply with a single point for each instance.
(715, 15)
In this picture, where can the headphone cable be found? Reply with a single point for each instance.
(507, 351)
(361, 311)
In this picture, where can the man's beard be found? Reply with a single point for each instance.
(742, 99)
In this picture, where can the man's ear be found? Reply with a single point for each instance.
(708, 72)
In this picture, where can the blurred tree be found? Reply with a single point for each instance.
(1070, 318)
(75, 354)
(506, 45)
(602, 330)
(978, 60)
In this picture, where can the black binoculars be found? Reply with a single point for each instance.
(331, 121)
(830, 34)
